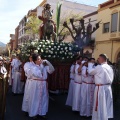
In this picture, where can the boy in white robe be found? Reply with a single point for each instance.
(38, 98)
(77, 87)
(87, 92)
(103, 101)
(70, 91)
(27, 67)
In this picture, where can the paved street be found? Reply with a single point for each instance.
(57, 109)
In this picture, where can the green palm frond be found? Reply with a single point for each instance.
(58, 11)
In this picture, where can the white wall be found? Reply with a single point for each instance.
(67, 8)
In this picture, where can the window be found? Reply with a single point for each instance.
(106, 27)
(114, 22)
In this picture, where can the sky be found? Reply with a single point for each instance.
(12, 11)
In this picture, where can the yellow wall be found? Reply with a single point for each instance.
(108, 43)
(116, 50)
(104, 48)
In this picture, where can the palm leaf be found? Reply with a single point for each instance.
(58, 11)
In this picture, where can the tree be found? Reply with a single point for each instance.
(32, 26)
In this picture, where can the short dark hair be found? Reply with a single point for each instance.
(78, 57)
(104, 56)
(91, 59)
(34, 57)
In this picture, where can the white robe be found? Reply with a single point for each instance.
(76, 90)
(3, 70)
(27, 67)
(70, 91)
(17, 86)
(103, 101)
(12, 72)
(38, 99)
(87, 93)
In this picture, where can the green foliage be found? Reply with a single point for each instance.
(32, 26)
(58, 15)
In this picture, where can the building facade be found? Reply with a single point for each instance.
(16, 36)
(12, 44)
(67, 8)
(108, 35)
(21, 31)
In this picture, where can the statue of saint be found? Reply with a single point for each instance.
(47, 20)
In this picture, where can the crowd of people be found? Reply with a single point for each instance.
(89, 91)
(90, 88)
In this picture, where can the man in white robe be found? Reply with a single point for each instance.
(12, 70)
(17, 87)
(103, 101)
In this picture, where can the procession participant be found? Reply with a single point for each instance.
(70, 91)
(27, 67)
(103, 101)
(38, 98)
(77, 87)
(17, 87)
(85, 59)
(3, 71)
(13, 59)
(87, 91)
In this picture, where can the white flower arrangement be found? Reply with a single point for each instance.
(42, 50)
(76, 45)
(70, 48)
(66, 48)
(56, 53)
(50, 50)
(33, 43)
(35, 51)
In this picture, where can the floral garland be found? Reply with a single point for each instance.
(57, 51)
